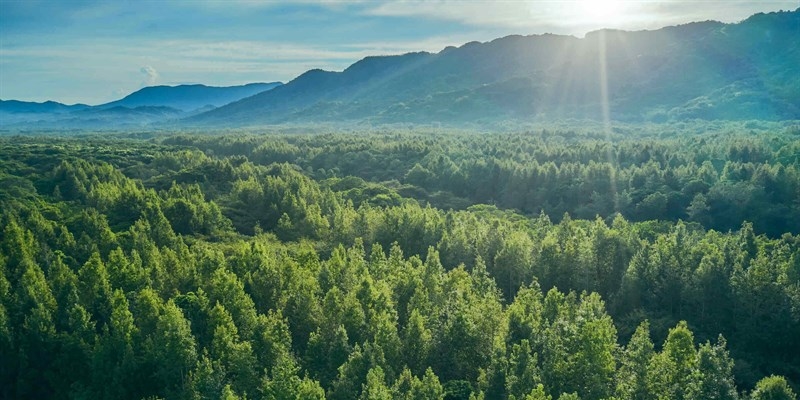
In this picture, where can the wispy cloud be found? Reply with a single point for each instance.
(75, 75)
(93, 50)
(569, 16)
(150, 75)
(505, 13)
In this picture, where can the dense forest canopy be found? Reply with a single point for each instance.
(631, 263)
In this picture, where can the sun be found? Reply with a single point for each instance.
(600, 11)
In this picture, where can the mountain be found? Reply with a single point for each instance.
(27, 107)
(189, 97)
(709, 70)
(148, 106)
(16, 112)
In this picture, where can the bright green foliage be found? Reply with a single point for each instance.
(410, 387)
(537, 393)
(416, 342)
(207, 379)
(283, 383)
(353, 374)
(632, 376)
(328, 348)
(579, 347)
(404, 385)
(272, 338)
(195, 267)
(429, 387)
(773, 388)
(375, 387)
(512, 264)
(95, 289)
(715, 370)
(523, 372)
(672, 373)
(174, 348)
(235, 355)
(114, 358)
(227, 289)
(468, 326)
(228, 394)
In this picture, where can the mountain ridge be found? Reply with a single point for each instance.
(698, 70)
(190, 97)
(652, 75)
(19, 106)
(146, 106)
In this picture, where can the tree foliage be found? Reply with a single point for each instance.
(539, 266)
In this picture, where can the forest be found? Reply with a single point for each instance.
(633, 262)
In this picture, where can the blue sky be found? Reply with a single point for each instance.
(98, 51)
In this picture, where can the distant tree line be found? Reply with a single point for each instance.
(718, 179)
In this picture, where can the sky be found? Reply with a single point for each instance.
(94, 51)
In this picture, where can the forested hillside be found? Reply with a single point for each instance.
(557, 264)
(707, 70)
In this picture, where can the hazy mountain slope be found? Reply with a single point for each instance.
(189, 97)
(150, 105)
(27, 107)
(699, 70)
(15, 111)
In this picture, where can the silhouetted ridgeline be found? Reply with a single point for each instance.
(706, 70)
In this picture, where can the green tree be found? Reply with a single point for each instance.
(283, 383)
(95, 289)
(353, 373)
(773, 388)
(537, 393)
(429, 388)
(327, 350)
(512, 264)
(523, 371)
(375, 387)
(715, 370)
(672, 372)
(632, 376)
(235, 355)
(207, 380)
(416, 343)
(174, 349)
(114, 360)
(34, 330)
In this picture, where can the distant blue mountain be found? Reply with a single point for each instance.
(189, 97)
(147, 106)
(707, 70)
(13, 112)
(27, 107)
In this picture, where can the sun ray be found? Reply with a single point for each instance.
(602, 13)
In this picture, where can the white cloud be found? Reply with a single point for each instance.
(150, 75)
(571, 16)
(263, 51)
(505, 13)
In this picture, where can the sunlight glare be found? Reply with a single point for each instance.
(600, 11)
